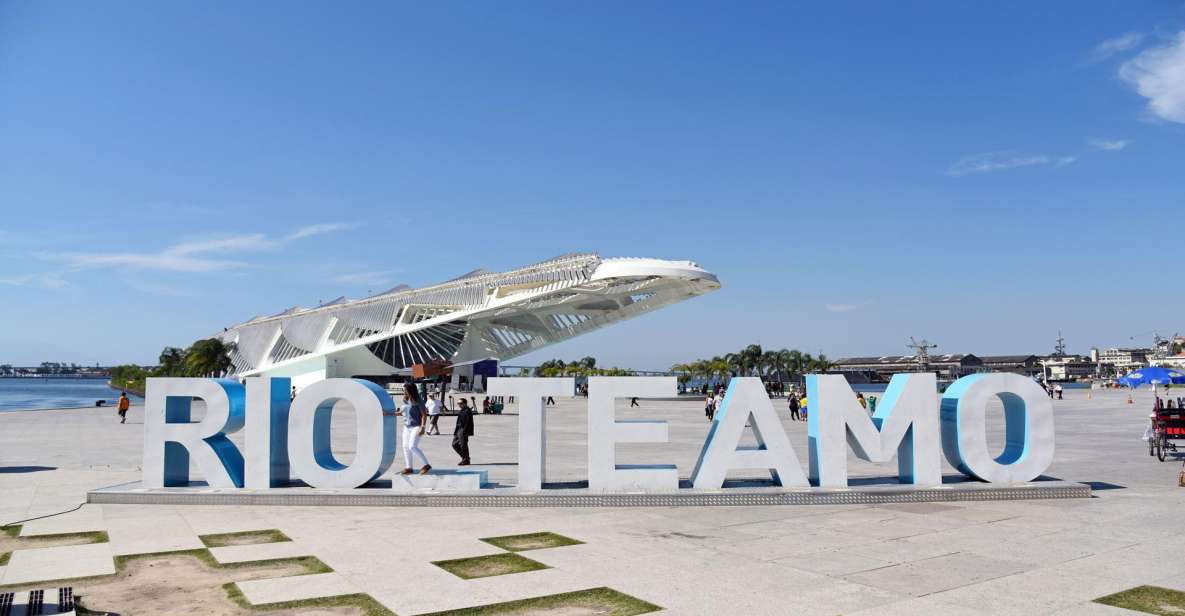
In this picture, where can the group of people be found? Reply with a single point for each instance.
(1053, 389)
(795, 400)
(420, 418)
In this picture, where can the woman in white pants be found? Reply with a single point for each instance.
(413, 428)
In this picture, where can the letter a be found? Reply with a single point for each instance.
(746, 401)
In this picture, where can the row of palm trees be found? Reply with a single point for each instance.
(584, 367)
(209, 357)
(778, 366)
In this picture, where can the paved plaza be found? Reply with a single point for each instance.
(1014, 557)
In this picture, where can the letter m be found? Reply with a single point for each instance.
(905, 423)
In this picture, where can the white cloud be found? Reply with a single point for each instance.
(1113, 145)
(44, 281)
(1112, 46)
(154, 261)
(254, 241)
(1000, 161)
(842, 307)
(192, 256)
(373, 279)
(319, 229)
(1158, 74)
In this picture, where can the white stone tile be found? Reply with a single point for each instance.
(922, 577)
(260, 551)
(57, 563)
(276, 590)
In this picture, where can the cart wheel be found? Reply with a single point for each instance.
(1152, 444)
(1160, 447)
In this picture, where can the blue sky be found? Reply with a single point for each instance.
(981, 175)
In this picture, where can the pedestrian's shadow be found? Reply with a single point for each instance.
(5, 470)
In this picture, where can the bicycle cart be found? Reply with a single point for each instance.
(1167, 427)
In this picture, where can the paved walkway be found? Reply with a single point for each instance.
(1030, 557)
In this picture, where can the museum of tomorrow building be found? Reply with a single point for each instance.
(481, 315)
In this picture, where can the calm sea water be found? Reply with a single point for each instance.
(49, 393)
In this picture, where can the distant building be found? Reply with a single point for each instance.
(1025, 365)
(881, 369)
(1123, 360)
(1068, 368)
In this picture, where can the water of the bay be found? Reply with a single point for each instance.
(19, 394)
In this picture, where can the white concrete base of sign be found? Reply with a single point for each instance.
(438, 480)
(381, 495)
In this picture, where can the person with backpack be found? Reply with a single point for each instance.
(124, 403)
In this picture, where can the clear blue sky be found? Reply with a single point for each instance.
(981, 174)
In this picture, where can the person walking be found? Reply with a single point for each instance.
(462, 431)
(634, 402)
(1058, 389)
(293, 396)
(862, 401)
(794, 406)
(433, 415)
(717, 402)
(709, 407)
(803, 406)
(413, 428)
(123, 405)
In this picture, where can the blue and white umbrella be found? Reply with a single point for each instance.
(1154, 375)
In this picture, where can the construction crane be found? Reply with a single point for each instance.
(921, 352)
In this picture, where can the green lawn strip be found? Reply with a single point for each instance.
(271, 535)
(486, 566)
(604, 600)
(363, 602)
(311, 564)
(531, 541)
(4, 558)
(1149, 599)
(93, 536)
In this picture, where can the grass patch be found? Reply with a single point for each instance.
(531, 541)
(310, 564)
(363, 602)
(1149, 599)
(486, 566)
(600, 600)
(93, 536)
(250, 537)
(4, 558)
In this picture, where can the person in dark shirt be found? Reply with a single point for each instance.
(462, 431)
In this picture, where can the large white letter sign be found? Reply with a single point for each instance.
(171, 441)
(309, 446)
(532, 422)
(266, 434)
(905, 423)
(746, 402)
(604, 432)
(1028, 417)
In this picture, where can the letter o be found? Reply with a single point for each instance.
(1028, 417)
(309, 448)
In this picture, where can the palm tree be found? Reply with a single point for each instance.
(209, 357)
(822, 364)
(170, 361)
(588, 362)
(751, 358)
